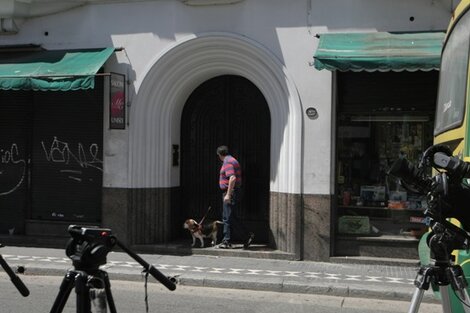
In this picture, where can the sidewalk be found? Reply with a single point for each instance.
(335, 279)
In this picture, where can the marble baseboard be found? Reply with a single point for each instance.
(297, 225)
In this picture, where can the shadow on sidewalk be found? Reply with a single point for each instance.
(180, 247)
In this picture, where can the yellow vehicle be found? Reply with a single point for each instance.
(452, 121)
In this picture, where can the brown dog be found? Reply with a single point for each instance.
(201, 231)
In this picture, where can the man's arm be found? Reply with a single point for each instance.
(231, 185)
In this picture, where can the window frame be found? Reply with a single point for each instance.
(440, 128)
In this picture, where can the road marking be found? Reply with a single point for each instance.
(332, 276)
(273, 273)
(374, 278)
(217, 270)
(292, 274)
(168, 268)
(313, 275)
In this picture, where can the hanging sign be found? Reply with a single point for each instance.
(117, 101)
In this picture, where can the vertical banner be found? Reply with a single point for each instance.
(117, 101)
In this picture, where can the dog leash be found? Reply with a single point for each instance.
(208, 209)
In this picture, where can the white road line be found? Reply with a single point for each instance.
(291, 274)
(234, 271)
(313, 275)
(254, 272)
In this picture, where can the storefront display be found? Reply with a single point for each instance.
(369, 139)
(365, 153)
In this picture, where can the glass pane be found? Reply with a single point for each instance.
(369, 201)
(453, 79)
(380, 117)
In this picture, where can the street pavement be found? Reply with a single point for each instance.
(334, 279)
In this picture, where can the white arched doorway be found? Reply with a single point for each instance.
(156, 117)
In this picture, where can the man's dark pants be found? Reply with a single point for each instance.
(231, 222)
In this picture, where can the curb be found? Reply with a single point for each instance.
(273, 284)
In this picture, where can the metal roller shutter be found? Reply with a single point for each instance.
(15, 107)
(67, 167)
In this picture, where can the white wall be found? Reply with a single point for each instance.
(284, 28)
(315, 86)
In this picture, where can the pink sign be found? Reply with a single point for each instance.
(117, 109)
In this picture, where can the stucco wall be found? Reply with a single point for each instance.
(170, 48)
(284, 28)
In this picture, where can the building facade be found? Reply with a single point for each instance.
(199, 74)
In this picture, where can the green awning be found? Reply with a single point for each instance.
(56, 70)
(379, 51)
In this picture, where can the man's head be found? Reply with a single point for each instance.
(222, 152)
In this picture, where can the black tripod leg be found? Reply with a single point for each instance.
(109, 295)
(82, 291)
(64, 292)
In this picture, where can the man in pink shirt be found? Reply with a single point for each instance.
(230, 181)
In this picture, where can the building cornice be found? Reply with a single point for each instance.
(14, 12)
(33, 8)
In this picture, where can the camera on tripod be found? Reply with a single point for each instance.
(88, 249)
(447, 196)
(89, 246)
(446, 193)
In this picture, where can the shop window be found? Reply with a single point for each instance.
(375, 126)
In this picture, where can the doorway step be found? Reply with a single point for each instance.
(55, 242)
(50, 228)
(378, 247)
(183, 247)
(375, 261)
(41, 234)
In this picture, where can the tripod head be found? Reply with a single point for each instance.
(444, 238)
(90, 245)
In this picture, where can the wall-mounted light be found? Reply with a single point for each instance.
(312, 113)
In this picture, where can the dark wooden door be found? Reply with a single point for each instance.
(226, 110)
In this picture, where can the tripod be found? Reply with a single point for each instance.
(446, 196)
(13, 277)
(85, 288)
(88, 249)
(443, 239)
